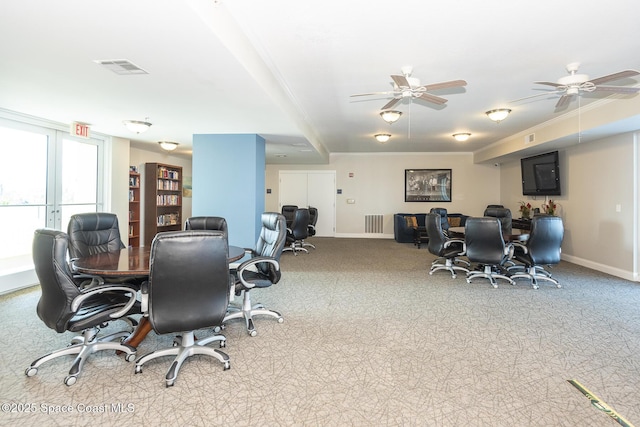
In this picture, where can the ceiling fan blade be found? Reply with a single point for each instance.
(615, 76)
(401, 81)
(445, 85)
(432, 98)
(564, 100)
(618, 89)
(553, 92)
(549, 84)
(391, 103)
(373, 93)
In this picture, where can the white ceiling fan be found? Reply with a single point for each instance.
(575, 84)
(405, 86)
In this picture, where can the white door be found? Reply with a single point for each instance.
(311, 188)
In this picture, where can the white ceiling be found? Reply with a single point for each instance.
(285, 69)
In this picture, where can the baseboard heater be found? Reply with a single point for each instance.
(373, 223)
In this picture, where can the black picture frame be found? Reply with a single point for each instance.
(427, 185)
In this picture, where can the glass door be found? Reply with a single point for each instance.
(46, 176)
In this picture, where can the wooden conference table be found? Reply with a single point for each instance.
(516, 235)
(130, 262)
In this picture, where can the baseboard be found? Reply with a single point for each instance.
(364, 235)
(17, 280)
(623, 274)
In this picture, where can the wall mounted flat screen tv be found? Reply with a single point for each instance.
(541, 175)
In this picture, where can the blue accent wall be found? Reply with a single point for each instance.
(229, 181)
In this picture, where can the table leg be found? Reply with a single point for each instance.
(141, 331)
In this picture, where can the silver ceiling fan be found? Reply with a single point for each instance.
(573, 85)
(405, 86)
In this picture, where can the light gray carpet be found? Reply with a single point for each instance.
(369, 339)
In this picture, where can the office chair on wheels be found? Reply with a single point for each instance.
(262, 270)
(298, 231)
(443, 247)
(486, 247)
(64, 306)
(188, 289)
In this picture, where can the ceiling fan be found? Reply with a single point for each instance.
(575, 84)
(405, 86)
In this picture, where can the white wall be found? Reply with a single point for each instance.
(595, 177)
(377, 186)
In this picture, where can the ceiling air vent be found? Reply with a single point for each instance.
(121, 66)
(530, 138)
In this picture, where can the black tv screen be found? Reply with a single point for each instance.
(541, 175)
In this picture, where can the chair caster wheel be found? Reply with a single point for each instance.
(253, 333)
(70, 380)
(30, 371)
(169, 384)
(280, 319)
(227, 366)
(223, 344)
(138, 369)
(130, 357)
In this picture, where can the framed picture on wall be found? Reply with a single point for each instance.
(427, 185)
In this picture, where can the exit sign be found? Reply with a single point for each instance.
(80, 129)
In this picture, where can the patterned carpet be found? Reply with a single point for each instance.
(369, 339)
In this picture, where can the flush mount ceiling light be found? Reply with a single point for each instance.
(390, 116)
(168, 145)
(382, 137)
(462, 136)
(137, 126)
(498, 114)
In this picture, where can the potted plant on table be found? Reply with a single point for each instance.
(525, 210)
(550, 207)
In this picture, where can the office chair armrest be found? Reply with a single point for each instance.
(448, 243)
(508, 250)
(91, 291)
(144, 297)
(520, 246)
(253, 261)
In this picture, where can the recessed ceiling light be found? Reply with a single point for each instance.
(281, 155)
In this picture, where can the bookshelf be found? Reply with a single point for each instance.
(134, 208)
(162, 199)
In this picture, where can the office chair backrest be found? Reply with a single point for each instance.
(545, 239)
(206, 223)
(92, 233)
(444, 221)
(300, 225)
(313, 220)
(483, 237)
(504, 215)
(495, 206)
(271, 241)
(288, 211)
(189, 280)
(435, 233)
(57, 286)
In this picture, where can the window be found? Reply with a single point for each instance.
(45, 177)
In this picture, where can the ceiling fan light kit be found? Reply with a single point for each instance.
(168, 145)
(461, 136)
(382, 137)
(498, 115)
(390, 116)
(137, 126)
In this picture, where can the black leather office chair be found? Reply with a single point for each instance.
(541, 249)
(448, 249)
(313, 220)
(64, 306)
(188, 289)
(92, 233)
(444, 222)
(487, 248)
(298, 231)
(504, 215)
(261, 271)
(207, 223)
(289, 211)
